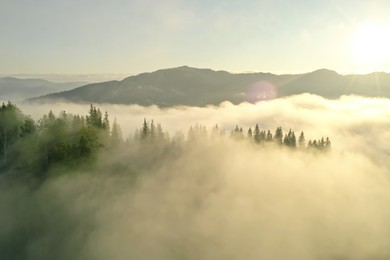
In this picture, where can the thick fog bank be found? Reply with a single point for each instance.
(354, 124)
(217, 198)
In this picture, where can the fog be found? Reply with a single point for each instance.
(219, 198)
(354, 124)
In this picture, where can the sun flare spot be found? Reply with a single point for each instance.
(371, 45)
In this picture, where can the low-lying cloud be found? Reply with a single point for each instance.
(219, 199)
(354, 124)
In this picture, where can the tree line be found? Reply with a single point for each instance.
(289, 139)
(72, 139)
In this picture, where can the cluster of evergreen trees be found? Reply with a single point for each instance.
(69, 139)
(265, 136)
(26, 144)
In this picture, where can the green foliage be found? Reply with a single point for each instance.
(278, 137)
(320, 145)
(301, 140)
(145, 130)
(54, 140)
(66, 140)
(290, 140)
(260, 136)
(11, 121)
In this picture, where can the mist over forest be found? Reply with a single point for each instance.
(192, 183)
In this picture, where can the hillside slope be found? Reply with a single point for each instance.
(200, 87)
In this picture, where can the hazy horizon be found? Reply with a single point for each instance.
(137, 36)
(102, 77)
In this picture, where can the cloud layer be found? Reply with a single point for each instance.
(354, 124)
(219, 199)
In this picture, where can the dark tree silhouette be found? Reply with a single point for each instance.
(278, 137)
(11, 121)
(145, 130)
(301, 140)
(256, 135)
(269, 136)
(250, 135)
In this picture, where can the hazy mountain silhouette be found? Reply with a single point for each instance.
(19, 89)
(200, 87)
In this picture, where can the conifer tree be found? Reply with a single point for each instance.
(278, 137)
(285, 140)
(106, 125)
(269, 136)
(11, 120)
(290, 139)
(321, 143)
(256, 135)
(250, 133)
(145, 130)
(293, 140)
(301, 140)
(28, 127)
(237, 132)
(327, 143)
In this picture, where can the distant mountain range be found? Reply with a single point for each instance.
(15, 89)
(200, 87)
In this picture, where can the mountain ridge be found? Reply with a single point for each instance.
(190, 86)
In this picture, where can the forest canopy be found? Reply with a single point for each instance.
(72, 139)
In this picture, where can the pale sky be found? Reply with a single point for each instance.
(133, 36)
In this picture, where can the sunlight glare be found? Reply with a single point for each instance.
(370, 45)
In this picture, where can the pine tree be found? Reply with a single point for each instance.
(256, 135)
(285, 140)
(301, 140)
(327, 143)
(28, 127)
(290, 139)
(250, 133)
(11, 121)
(321, 143)
(238, 132)
(145, 130)
(278, 137)
(293, 140)
(106, 123)
(269, 136)
(94, 119)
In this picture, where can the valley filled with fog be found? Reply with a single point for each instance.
(355, 124)
(207, 195)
